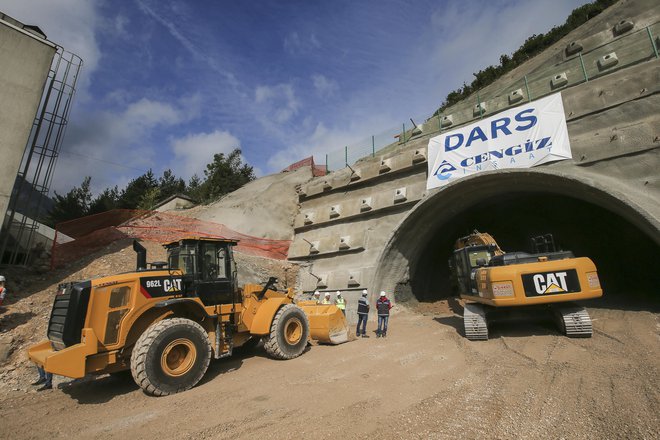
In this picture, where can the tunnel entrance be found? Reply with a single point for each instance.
(514, 207)
(626, 259)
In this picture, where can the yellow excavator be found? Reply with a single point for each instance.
(165, 322)
(490, 279)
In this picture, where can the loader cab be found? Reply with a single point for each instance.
(208, 266)
(464, 263)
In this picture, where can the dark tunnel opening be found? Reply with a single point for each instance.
(628, 261)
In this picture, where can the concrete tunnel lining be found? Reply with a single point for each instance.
(399, 259)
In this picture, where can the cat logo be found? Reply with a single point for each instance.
(172, 285)
(552, 282)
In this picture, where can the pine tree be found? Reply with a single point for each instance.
(132, 195)
(225, 174)
(73, 205)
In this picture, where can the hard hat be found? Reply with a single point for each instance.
(316, 293)
(327, 293)
(382, 293)
(338, 293)
(2, 279)
(364, 292)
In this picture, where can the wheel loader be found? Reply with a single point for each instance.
(493, 281)
(165, 322)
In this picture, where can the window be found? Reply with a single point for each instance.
(474, 256)
(214, 258)
(183, 259)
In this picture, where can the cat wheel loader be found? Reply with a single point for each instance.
(492, 281)
(166, 322)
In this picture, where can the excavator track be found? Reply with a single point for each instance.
(474, 322)
(574, 321)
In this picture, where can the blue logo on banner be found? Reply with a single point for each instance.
(443, 172)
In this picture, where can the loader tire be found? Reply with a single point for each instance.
(171, 356)
(289, 332)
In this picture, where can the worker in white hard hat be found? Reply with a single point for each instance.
(363, 314)
(326, 298)
(3, 289)
(383, 306)
(317, 297)
(340, 302)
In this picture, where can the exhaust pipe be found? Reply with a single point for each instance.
(141, 256)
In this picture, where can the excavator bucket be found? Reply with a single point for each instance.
(327, 324)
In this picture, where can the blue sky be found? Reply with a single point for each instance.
(166, 84)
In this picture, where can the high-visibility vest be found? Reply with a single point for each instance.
(363, 306)
(340, 303)
(325, 301)
(383, 306)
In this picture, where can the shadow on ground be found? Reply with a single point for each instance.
(507, 323)
(97, 390)
(12, 320)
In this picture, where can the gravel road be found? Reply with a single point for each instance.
(423, 381)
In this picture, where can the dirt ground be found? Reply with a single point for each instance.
(423, 381)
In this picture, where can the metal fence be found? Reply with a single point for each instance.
(582, 66)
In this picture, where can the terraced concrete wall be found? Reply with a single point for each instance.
(363, 226)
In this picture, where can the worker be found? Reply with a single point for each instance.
(363, 314)
(383, 306)
(45, 378)
(340, 303)
(317, 297)
(3, 289)
(326, 298)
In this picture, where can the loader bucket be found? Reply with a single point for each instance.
(327, 323)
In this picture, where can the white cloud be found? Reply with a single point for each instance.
(176, 30)
(324, 86)
(277, 103)
(324, 140)
(193, 152)
(120, 24)
(294, 44)
(146, 113)
(116, 146)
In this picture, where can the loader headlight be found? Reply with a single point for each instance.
(502, 288)
(592, 279)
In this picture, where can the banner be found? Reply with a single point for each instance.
(523, 137)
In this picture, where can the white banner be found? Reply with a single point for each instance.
(523, 137)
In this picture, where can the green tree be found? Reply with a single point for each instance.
(73, 205)
(107, 200)
(194, 188)
(132, 195)
(150, 199)
(169, 185)
(224, 175)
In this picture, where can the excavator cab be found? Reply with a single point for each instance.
(208, 267)
(465, 261)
